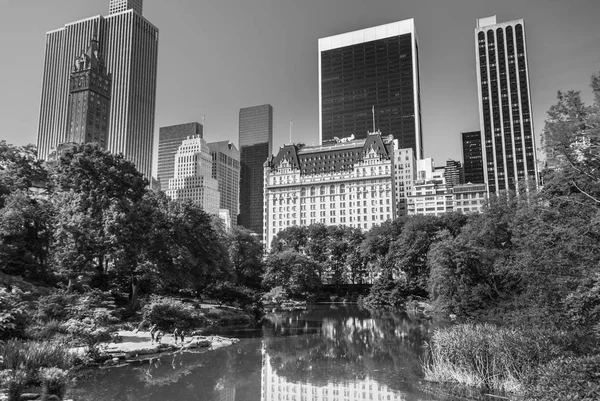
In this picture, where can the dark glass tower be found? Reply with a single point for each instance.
(256, 142)
(472, 157)
(370, 78)
(505, 111)
(169, 140)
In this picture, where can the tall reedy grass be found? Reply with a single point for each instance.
(483, 356)
(30, 356)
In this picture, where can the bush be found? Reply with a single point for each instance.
(276, 295)
(14, 381)
(168, 313)
(55, 306)
(234, 295)
(484, 356)
(13, 314)
(54, 383)
(45, 330)
(566, 379)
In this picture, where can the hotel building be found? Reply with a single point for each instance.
(349, 182)
(129, 44)
(505, 111)
(369, 80)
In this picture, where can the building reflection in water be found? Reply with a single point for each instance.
(277, 388)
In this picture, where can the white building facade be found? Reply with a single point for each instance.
(350, 183)
(193, 176)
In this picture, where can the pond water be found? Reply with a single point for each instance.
(328, 353)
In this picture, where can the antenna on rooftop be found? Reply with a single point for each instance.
(373, 119)
(291, 125)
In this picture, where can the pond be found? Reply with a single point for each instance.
(326, 353)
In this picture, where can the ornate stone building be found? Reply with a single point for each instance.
(350, 182)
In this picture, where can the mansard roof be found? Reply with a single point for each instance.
(331, 157)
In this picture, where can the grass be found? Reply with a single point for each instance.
(30, 356)
(482, 356)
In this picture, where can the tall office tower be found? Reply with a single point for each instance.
(256, 142)
(226, 170)
(89, 98)
(129, 44)
(505, 112)
(117, 6)
(472, 153)
(169, 140)
(369, 80)
(193, 175)
(404, 176)
(453, 173)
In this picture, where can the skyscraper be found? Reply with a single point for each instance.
(505, 111)
(129, 44)
(169, 140)
(256, 142)
(192, 178)
(226, 170)
(89, 98)
(369, 80)
(453, 173)
(472, 153)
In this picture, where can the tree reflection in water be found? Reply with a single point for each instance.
(337, 349)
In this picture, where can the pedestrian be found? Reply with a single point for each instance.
(159, 335)
(181, 335)
(176, 334)
(152, 332)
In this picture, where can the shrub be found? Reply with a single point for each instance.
(566, 379)
(55, 306)
(276, 295)
(13, 313)
(232, 294)
(484, 356)
(169, 313)
(14, 381)
(54, 383)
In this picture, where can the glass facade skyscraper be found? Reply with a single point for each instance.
(129, 44)
(369, 80)
(256, 142)
(505, 112)
(169, 140)
(472, 157)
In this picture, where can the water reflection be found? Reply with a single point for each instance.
(324, 354)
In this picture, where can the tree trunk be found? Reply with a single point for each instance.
(70, 285)
(133, 296)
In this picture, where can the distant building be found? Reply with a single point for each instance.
(405, 173)
(129, 44)
(453, 173)
(169, 140)
(369, 80)
(430, 194)
(344, 183)
(505, 111)
(472, 152)
(193, 176)
(469, 198)
(226, 170)
(256, 142)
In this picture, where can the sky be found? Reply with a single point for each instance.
(218, 56)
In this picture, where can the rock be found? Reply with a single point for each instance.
(30, 396)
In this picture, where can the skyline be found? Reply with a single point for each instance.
(272, 58)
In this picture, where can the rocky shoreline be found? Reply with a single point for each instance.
(135, 345)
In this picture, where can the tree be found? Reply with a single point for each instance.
(296, 273)
(245, 252)
(25, 233)
(293, 238)
(19, 169)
